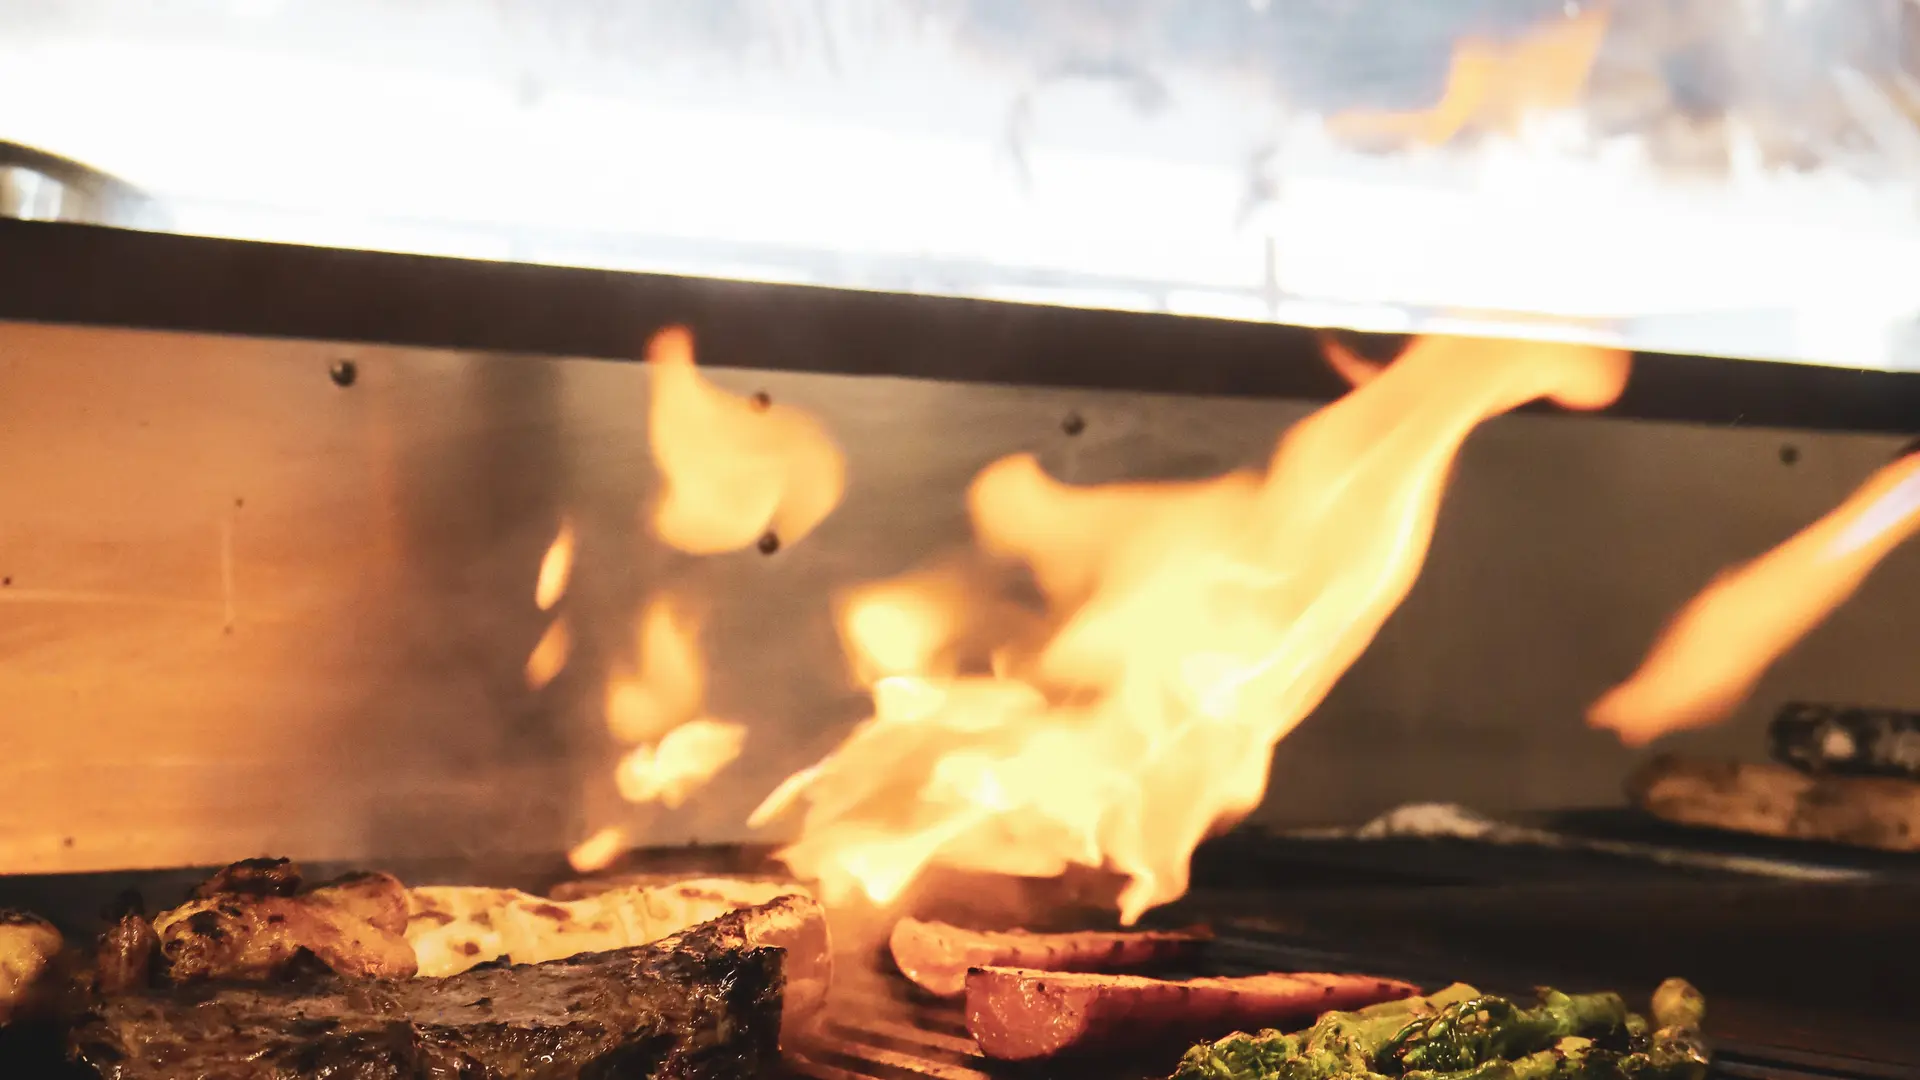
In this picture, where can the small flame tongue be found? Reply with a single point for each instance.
(1198, 623)
(733, 469)
(1495, 85)
(1708, 659)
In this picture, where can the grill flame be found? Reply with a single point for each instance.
(1707, 660)
(1494, 85)
(1194, 625)
(733, 469)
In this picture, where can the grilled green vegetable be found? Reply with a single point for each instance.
(1461, 1034)
(1676, 1004)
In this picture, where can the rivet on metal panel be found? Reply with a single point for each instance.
(1789, 454)
(769, 542)
(761, 400)
(343, 373)
(1074, 424)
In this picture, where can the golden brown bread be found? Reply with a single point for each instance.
(454, 927)
(1774, 800)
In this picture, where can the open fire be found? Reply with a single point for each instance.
(1181, 629)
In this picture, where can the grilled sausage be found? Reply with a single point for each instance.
(1018, 1015)
(936, 956)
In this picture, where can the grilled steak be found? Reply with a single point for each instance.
(702, 1004)
(936, 956)
(1019, 1015)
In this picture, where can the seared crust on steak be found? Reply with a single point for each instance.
(1018, 1015)
(701, 1005)
(936, 955)
(1774, 800)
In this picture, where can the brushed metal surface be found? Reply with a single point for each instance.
(246, 609)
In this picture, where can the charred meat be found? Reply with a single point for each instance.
(702, 1004)
(125, 958)
(253, 877)
(936, 956)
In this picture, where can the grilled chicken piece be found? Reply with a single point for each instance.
(253, 877)
(257, 937)
(1018, 1015)
(28, 945)
(378, 898)
(454, 927)
(248, 923)
(936, 956)
(125, 958)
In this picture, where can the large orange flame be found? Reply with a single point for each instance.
(1198, 623)
(1708, 659)
(733, 469)
(1494, 84)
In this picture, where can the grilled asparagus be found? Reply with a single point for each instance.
(1461, 1034)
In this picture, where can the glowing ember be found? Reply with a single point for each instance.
(549, 656)
(1709, 657)
(688, 757)
(598, 851)
(1494, 85)
(555, 568)
(1197, 624)
(670, 682)
(733, 469)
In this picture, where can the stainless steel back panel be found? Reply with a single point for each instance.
(245, 608)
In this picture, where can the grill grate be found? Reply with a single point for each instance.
(877, 1032)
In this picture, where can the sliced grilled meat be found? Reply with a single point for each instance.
(1017, 1014)
(936, 956)
(702, 1005)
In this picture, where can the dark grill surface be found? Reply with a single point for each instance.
(881, 1030)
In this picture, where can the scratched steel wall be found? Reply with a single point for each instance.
(245, 608)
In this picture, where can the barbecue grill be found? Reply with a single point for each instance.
(281, 480)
